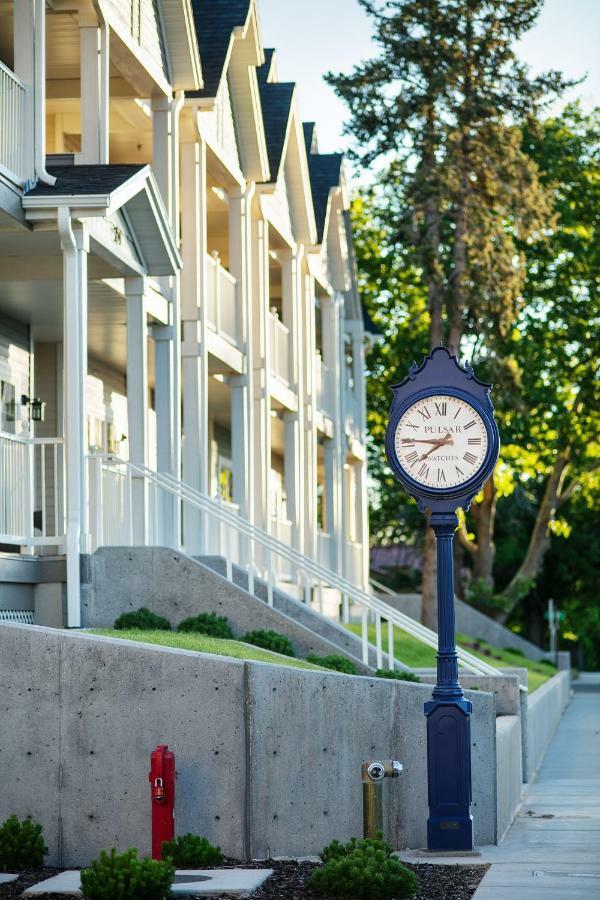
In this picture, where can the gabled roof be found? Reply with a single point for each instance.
(276, 101)
(101, 190)
(325, 173)
(80, 180)
(215, 22)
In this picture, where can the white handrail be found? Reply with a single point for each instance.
(311, 572)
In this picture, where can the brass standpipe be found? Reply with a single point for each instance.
(373, 774)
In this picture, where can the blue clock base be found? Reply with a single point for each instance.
(450, 824)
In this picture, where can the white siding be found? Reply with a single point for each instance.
(221, 126)
(141, 19)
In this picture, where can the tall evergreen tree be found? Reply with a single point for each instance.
(440, 105)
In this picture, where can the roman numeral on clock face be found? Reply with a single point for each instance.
(412, 457)
(440, 408)
(469, 424)
(424, 412)
(424, 471)
(470, 458)
(441, 475)
(474, 440)
(459, 472)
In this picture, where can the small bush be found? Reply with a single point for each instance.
(270, 640)
(397, 676)
(362, 870)
(337, 663)
(189, 851)
(122, 876)
(207, 623)
(515, 651)
(144, 619)
(21, 845)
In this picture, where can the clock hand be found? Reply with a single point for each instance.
(422, 440)
(442, 443)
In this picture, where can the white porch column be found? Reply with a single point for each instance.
(260, 362)
(294, 421)
(162, 148)
(95, 91)
(306, 294)
(23, 65)
(329, 451)
(242, 443)
(195, 453)
(75, 246)
(137, 401)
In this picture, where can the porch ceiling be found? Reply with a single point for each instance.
(40, 305)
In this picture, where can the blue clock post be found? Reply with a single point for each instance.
(442, 444)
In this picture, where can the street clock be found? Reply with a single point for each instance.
(442, 444)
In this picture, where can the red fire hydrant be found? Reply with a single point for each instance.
(162, 797)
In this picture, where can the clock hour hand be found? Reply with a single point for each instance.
(421, 441)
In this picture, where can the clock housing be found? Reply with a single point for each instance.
(441, 375)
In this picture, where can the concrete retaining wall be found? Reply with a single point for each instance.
(509, 769)
(268, 757)
(472, 622)
(544, 710)
(121, 579)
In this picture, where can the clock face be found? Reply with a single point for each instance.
(441, 441)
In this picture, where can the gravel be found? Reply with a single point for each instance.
(290, 878)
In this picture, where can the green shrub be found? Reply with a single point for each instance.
(122, 876)
(362, 870)
(189, 851)
(337, 663)
(144, 619)
(21, 845)
(270, 640)
(397, 676)
(207, 623)
(514, 650)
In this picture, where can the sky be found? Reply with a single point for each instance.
(334, 34)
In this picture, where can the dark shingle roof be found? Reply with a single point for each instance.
(84, 180)
(325, 171)
(276, 102)
(264, 71)
(215, 21)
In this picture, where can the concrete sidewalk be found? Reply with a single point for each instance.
(552, 851)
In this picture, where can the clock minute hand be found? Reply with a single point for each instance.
(422, 440)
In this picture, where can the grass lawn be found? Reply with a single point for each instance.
(202, 643)
(418, 655)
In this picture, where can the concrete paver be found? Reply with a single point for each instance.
(552, 850)
(198, 882)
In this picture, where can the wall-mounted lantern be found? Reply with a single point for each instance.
(37, 408)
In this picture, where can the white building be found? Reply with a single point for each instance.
(177, 288)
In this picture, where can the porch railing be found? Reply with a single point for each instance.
(223, 314)
(32, 508)
(13, 105)
(274, 556)
(281, 351)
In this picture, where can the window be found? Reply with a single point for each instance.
(8, 411)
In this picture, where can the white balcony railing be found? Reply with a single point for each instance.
(224, 315)
(32, 504)
(281, 351)
(13, 105)
(281, 529)
(324, 388)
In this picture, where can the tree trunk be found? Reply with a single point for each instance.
(540, 534)
(485, 515)
(429, 581)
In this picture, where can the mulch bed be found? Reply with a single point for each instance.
(289, 882)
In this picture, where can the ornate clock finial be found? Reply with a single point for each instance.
(413, 370)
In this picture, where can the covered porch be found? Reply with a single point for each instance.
(90, 358)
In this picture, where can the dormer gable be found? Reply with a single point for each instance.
(286, 148)
(231, 51)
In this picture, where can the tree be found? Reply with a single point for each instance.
(438, 104)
